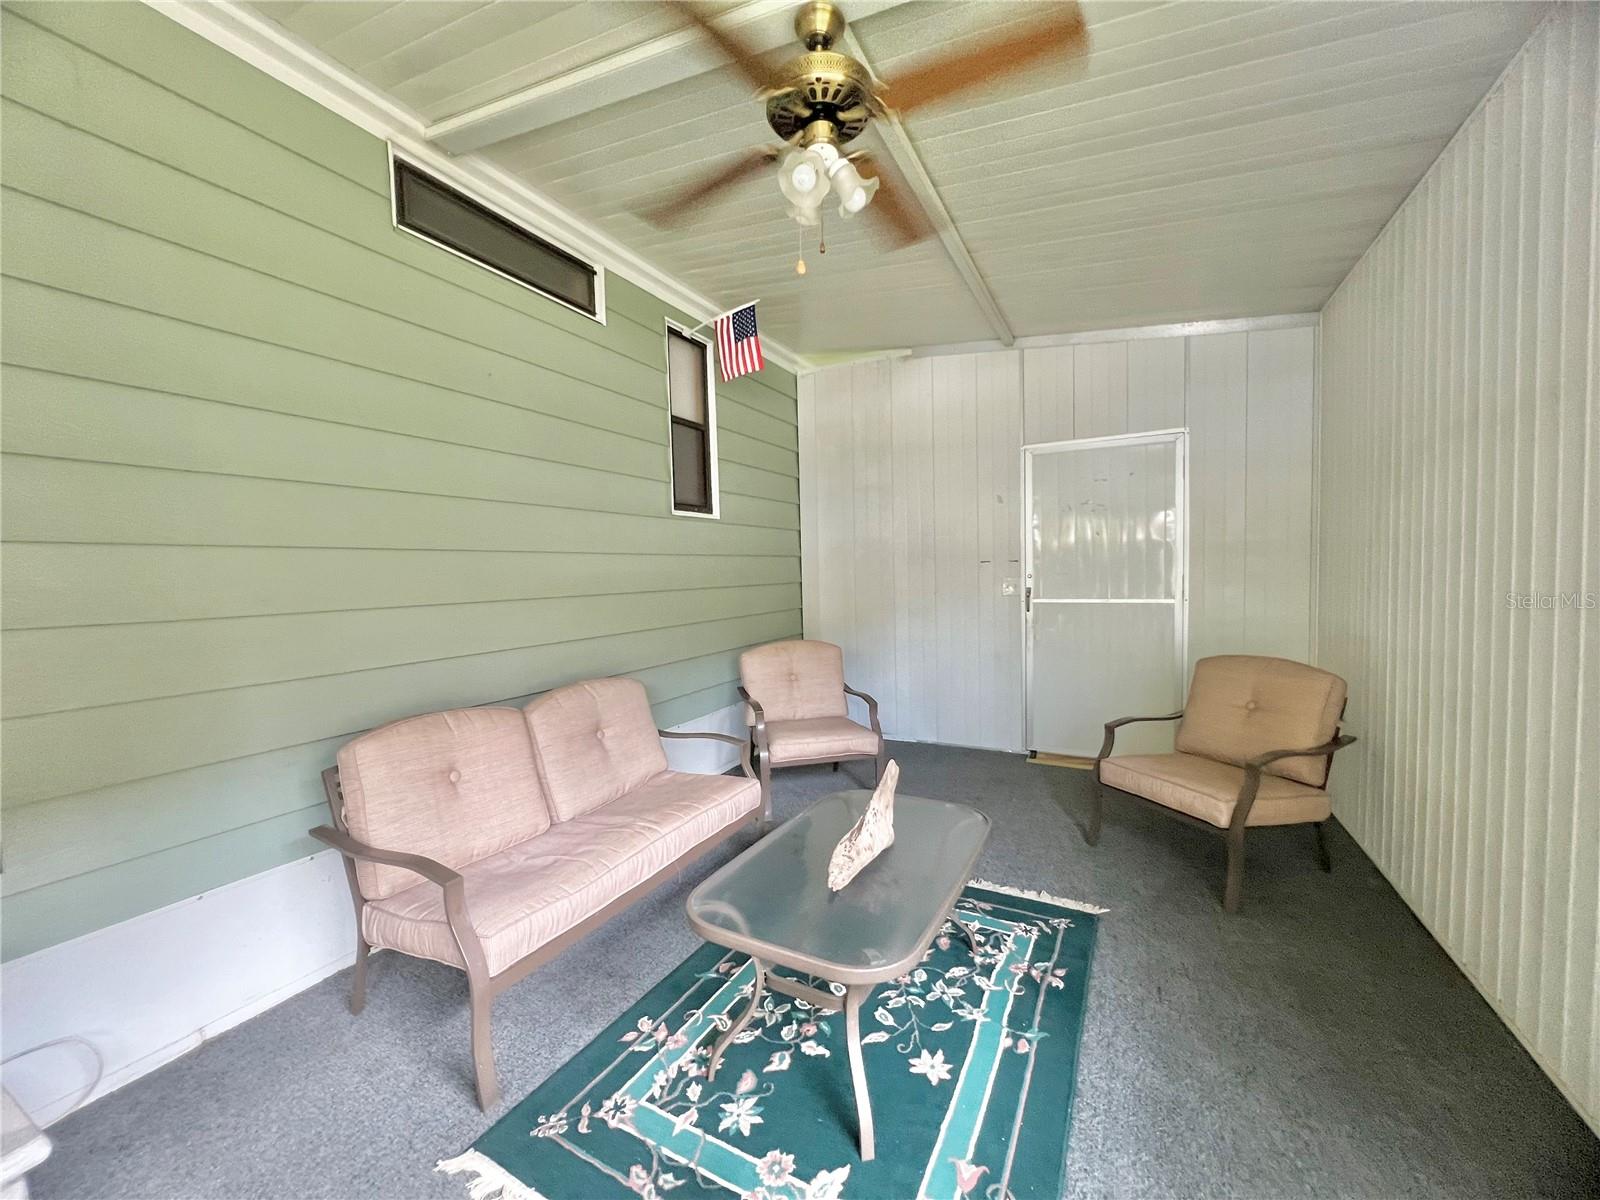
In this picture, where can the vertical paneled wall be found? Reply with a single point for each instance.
(276, 472)
(1460, 548)
(911, 474)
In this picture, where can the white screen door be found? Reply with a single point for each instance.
(1106, 599)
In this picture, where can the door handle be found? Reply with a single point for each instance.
(1027, 599)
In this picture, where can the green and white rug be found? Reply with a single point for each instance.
(971, 1060)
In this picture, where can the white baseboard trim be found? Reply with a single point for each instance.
(149, 989)
(153, 987)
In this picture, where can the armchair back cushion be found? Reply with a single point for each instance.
(453, 786)
(795, 680)
(1241, 706)
(595, 741)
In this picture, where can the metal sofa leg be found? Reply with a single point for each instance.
(835, 766)
(1235, 880)
(483, 1045)
(358, 985)
(1323, 860)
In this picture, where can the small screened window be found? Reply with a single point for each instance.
(435, 211)
(692, 408)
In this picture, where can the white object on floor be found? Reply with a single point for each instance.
(22, 1148)
(868, 837)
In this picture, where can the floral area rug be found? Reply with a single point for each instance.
(971, 1061)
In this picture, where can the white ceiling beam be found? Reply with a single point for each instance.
(765, 25)
(897, 144)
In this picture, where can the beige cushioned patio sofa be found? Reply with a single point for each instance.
(489, 839)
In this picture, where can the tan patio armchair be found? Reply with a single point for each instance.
(796, 707)
(1255, 746)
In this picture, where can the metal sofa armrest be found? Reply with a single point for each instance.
(759, 726)
(742, 743)
(429, 869)
(1111, 733)
(872, 708)
(449, 880)
(1253, 768)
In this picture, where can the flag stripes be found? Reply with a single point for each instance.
(738, 343)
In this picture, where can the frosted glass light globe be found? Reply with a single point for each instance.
(804, 177)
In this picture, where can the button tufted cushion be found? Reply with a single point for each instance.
(452, 786)
(594, 741)
(1241, 706)
(794, 680)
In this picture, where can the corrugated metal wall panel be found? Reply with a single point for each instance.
(1460, 433)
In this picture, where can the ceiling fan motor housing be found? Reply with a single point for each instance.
(824, 86)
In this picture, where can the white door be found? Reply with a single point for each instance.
(1106, 595)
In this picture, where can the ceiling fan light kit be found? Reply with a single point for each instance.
(822, 100)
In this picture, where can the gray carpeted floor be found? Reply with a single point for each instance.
(1319, 1043)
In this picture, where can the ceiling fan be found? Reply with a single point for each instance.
(823, 99)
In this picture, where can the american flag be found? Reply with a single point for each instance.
(738, 343)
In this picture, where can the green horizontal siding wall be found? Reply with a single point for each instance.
(275, 472)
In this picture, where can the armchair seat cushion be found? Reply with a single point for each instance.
(819, 738)
(1208, 789)
(523, 897)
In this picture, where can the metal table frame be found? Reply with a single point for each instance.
(858, 982)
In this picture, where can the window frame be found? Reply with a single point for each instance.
(714, 512)
(517, 224)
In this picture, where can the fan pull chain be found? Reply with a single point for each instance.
(800, 263)
(822, 231)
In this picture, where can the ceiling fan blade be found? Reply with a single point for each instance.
(1061, 35)
(676, 208)
(744, 57)
(905, 221)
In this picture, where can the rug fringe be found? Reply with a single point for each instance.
(1036, 894)
(490, 1180)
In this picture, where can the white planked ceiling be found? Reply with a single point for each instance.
(1208, 160)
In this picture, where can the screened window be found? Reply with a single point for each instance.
(435, 211)
(692, 407)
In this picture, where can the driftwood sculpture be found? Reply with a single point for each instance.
(868, 837)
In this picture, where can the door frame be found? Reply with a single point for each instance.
(1180, 560)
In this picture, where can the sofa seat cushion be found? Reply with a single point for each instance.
(531, 893)
(819, 738)
(1207, 789)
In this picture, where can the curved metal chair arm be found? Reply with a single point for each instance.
(449, 880)
(1324, 750)
(742, 743)
(872, 707)
(1113, 726)
(760, 725)
(1253, 768)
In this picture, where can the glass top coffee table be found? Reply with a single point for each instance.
(773, 903)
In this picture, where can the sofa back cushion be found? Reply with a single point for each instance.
(595, 741)
(452, 786)
(794, 680)
(1241, 706)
